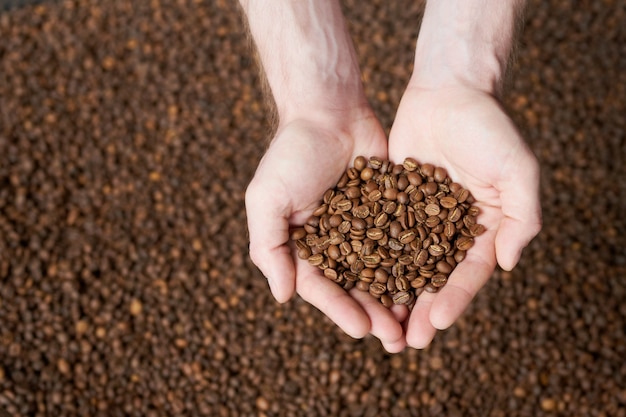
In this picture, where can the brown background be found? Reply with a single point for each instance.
(128, 132)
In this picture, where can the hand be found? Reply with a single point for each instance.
(307, 157)
(467, 132)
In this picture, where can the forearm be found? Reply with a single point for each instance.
(466, 42)
(307, 55)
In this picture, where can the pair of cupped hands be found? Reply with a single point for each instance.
(461, 129)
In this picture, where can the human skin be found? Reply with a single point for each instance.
(449, 116)
(324, 122)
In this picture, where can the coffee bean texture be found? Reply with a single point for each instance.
(399, 229)
(129, 131)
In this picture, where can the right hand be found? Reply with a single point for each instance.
(305, 158)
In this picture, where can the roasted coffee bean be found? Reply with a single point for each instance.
(372, 259)
(436, 250)
(367, 174)
(476, 230)
(395, 228)
(464, 243)
(444, 267)
(406, 238)
(418, 282)
(352, 192)
(375, 162)
(410, 219)
(415, 179)
(375, 233)
(377, 289)
(440, 174)
(395, 245)
(448, 202)
(328, 196)
(386, 300)
(438, 280)
(358, 224)
(432, 221)
(336, 199)
(389, 207)
(321, 210)
(430, 288)
(316, 260)
(390, 193)
(420, 216)
(350, 276)
(375, 195)
(469, 221)
(367, 247)
(410, 164)
(430, 188)
(344, 227)
(304, 251)
(345, 248)
(360, 162)
(401, 297)
(361, 211)
(426, 273)
(461, 195)
(403, 184)
(333, 252)
(427, 170)
(454, 215)
(405, 259)
(383, 251)
(449, 229)
(331, 274)
(402, 283)
(432, 209)
(381, 219)
(297, 234)
(447, 246)
(352, 173)
(335, 220)
(380, 275)
(420, 257)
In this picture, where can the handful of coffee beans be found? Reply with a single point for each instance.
(392, 230)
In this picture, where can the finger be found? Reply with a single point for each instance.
(400, 312)
(384, 325)
(464, 283)
(332, 300)
(519, 194)
(395, 347)
(420, 332)
(269, 234)
(513, 236)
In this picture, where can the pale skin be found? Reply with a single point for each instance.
(449, 116)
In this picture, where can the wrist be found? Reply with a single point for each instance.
(455, 65)
(307, 56)
(344, 123)
(466, 44)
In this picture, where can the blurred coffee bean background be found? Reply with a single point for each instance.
(128, 133)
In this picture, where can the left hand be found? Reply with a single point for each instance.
(467, 132)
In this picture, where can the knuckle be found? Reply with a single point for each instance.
(256, 254)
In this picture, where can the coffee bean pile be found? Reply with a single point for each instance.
(392, 230)
(129, 131)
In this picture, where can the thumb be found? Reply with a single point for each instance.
(522, 212)
(269, 240)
